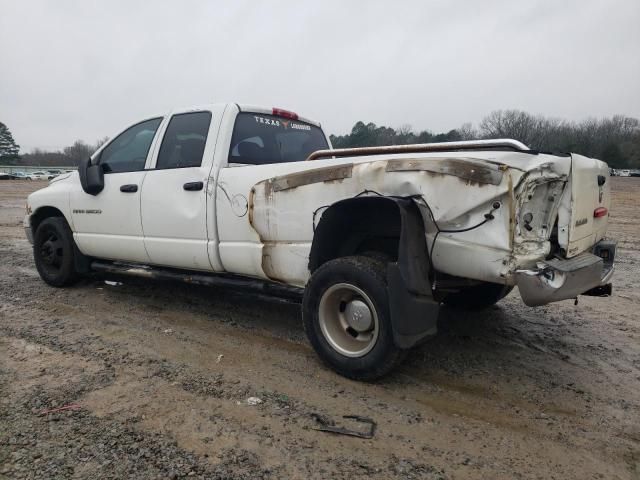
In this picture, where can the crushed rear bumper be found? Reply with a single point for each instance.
(560, 279)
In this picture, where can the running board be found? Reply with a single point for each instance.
(253, 285)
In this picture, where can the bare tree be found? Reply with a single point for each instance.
(78, 152)
(468, 132)
(100, 142)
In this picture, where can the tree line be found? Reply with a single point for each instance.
(70, 156)
(616, 140)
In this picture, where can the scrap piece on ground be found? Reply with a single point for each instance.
(327, 425)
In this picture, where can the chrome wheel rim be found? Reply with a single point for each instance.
(348, 320)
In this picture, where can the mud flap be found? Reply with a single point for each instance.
(414, 312)
(414, 317)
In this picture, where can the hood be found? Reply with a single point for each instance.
(62, 176)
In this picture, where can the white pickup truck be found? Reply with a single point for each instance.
(372, 240)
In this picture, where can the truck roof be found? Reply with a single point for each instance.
(245, 107)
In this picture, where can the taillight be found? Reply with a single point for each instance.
(600, 212)
(279, 112)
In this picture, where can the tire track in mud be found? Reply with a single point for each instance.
(108, 352)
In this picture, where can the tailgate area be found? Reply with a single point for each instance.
(590, 202)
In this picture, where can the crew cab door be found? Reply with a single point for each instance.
(108, 225)
(174, 193)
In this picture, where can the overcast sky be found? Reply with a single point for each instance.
(85, 69)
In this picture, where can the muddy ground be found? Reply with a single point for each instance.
(158, 376)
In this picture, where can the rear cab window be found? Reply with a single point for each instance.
(260, 139)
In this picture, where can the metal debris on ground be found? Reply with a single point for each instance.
(113, 284)
(328, 425)
(167, 331)
(254, 401)
(220, 357)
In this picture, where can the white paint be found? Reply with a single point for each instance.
(116, 232)
(211, 229)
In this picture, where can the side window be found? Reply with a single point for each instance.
(184, 141)
(128, 151)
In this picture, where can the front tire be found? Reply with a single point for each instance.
(53, 252)
(345, 310)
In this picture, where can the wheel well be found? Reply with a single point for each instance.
(40, 214)
(356, 225)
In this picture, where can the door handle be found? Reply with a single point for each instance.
(130, 188)
(193, 186)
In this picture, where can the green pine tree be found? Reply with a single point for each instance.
(9, 150)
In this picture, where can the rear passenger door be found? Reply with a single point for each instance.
(174, 194)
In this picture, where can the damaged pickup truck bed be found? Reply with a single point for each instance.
(374, 240)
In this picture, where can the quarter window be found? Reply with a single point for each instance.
(128, 151)
(184, 141)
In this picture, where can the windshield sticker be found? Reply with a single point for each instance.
(286, 124)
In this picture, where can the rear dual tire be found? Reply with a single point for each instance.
(346, 316)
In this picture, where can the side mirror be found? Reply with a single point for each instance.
(91, 177)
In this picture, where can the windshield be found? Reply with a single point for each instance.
(260, 139)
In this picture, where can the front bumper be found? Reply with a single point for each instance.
(559, 279)
(27, 228)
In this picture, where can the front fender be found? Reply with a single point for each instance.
(54, 196)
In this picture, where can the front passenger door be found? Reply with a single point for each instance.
(108, 224)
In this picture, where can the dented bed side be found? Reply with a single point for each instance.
(460, 188)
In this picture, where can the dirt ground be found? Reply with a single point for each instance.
(158, 376)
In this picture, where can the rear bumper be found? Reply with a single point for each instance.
(558, 279)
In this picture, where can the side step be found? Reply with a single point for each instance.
(246, 284)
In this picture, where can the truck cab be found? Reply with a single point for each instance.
(161, 181)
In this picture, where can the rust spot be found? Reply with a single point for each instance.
(307, 177)
(512, 211)
(267, 262)
(465, 168)
(251, 195)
